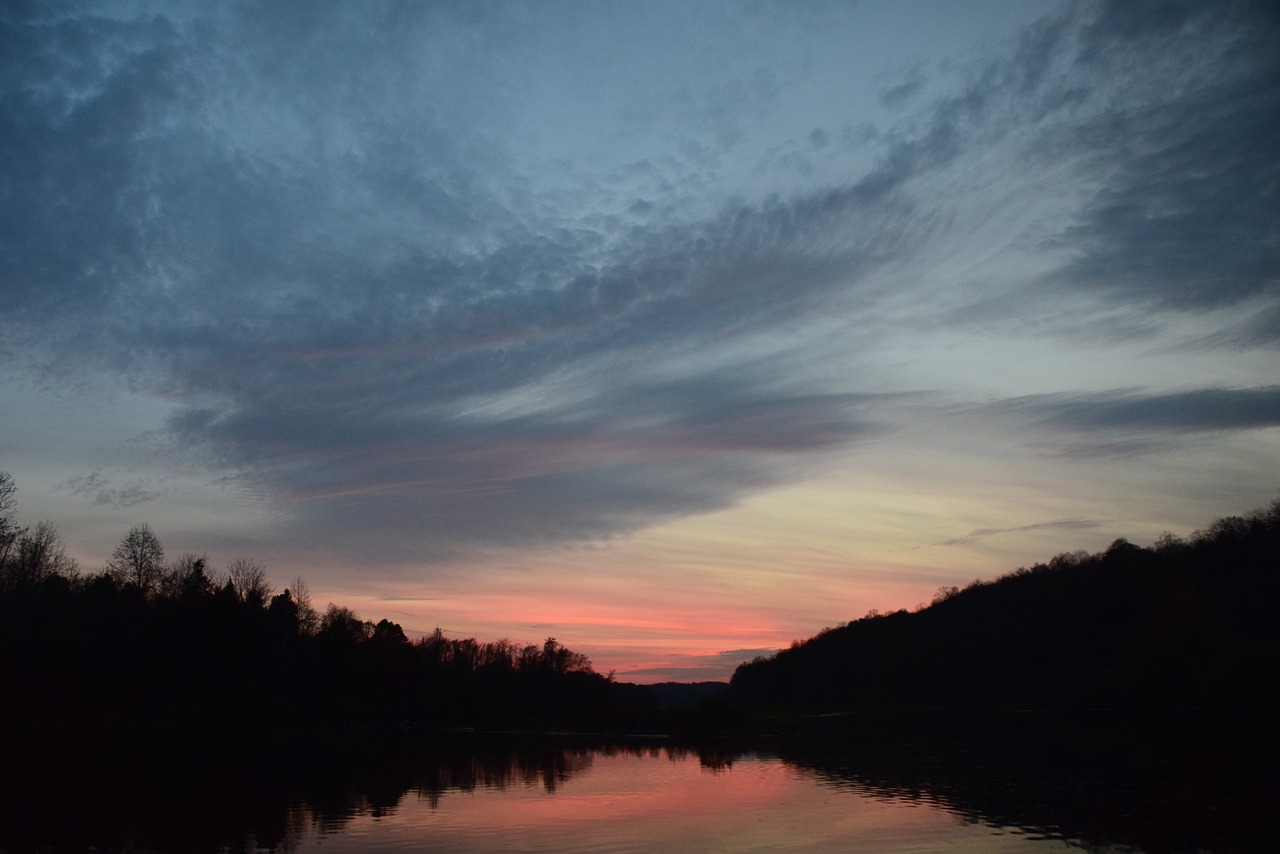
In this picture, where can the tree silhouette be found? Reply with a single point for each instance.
(37, 555)
(28, 557)
(155, 645)
(308, 618)
(9, 530)
(186, 577)
(248, 578)
(139, 559)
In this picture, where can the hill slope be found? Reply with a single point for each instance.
(1181, 627)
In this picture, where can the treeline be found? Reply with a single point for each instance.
(1183, 628)
(152, 643)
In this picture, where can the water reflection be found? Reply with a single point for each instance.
(463, 792)
(1114, 787)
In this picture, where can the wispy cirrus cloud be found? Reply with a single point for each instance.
(386, 270)
(1191, 411)
(1186, 217)
(1056, 525)
(1129, 423)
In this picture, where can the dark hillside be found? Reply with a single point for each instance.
(1182, 627)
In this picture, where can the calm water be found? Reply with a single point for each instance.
(467, 794)
(657, 801)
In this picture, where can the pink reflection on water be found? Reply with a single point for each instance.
(667, 801)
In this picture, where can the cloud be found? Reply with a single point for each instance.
(343, 294)
(317, 233)
(1058, 525)
(1197, 410)
(1130, 424)
(97, 487)
(610, 461)
(1188, 199)
(1157, 120)
(911, 82)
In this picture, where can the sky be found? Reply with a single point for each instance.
(675, 331)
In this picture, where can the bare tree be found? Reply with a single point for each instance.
(308, 617)
(34, 557)
(9, 530)
(7, 491)
(944, 593)
(139, 559)
(249, 580)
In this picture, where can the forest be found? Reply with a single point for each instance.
(1185, 629)
(153, 644)
(1182, 629)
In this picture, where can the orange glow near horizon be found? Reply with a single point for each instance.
(680, 603)
(617, 637)
(693, 598)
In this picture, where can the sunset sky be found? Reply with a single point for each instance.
(674, 330)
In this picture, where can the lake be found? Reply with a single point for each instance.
(468, 793)
(659, 801)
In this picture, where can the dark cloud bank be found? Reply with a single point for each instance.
(1127, 423)
(336, 275)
